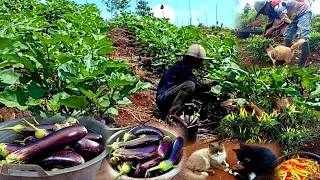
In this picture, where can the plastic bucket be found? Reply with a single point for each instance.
(170, 174)
(86, 171)
(190, 133)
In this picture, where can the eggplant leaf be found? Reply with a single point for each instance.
(35, 90)
(8, 76)
(15, 98)
(77, 102)
(113, 111)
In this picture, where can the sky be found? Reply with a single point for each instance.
(178, 10)
(203, 11)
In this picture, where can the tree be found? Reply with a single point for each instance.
(247, 8)
(143, 8)
(116, 5)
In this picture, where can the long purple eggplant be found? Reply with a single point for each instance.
(22, 129)
(139, 130)
(88, 148)
(136, 154)
(94, 136)
(142, 141)
(162, 151)
(164, 147)
(142, 167)
(63, 159)
(46, 146)
(174, 156)
(6, 149)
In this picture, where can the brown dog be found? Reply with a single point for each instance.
(283, 53)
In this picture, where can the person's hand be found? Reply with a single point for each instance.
(268, 32)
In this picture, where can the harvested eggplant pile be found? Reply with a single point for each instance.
(145, 152)
(187, 115)
(51, 146)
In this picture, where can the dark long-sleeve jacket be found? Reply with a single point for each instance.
(177, 74)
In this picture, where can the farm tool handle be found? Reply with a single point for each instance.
(29, 170)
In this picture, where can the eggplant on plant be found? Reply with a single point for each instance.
(140, 130)
(44, 147)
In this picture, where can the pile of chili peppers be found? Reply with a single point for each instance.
(297, 168)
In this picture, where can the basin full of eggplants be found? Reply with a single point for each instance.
(51, 146)
(145, 152)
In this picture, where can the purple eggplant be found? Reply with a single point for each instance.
(164, 147)
(63, 159)
(142, 167)
(88, 148)
(46, 146)
(174, 156)
(139, 130)
(142, 141)
(22, 129)
(179, 120)
(94, 136)
(6, 149)
(39, 133)
(136, 154)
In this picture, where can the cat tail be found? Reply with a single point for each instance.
(189, 175)
(297, 44)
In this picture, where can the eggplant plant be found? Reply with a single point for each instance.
(51, 63)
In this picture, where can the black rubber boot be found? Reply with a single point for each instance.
(305, 53)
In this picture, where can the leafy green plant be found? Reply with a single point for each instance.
(256, 45)
(316, 23)
(165, 40)
(314, 41)
(289, 128)
(52, 63)
(244, 19)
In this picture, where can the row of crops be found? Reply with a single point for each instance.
(52, 60)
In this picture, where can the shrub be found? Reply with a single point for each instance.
(54, 62)
(314, 40)
(257, 45)
(289, 128)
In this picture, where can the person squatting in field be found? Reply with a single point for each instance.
(178, 85)
(293, 15)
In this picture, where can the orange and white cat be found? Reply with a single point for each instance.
(199, 163)
(283, 53)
